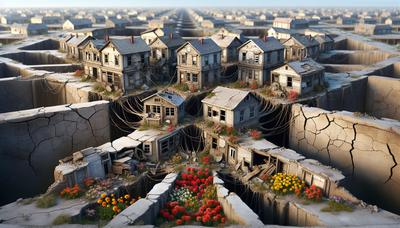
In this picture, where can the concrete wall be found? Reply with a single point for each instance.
(366, 150)
(382, 97)
(32, 142)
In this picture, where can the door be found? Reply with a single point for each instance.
(95, 72)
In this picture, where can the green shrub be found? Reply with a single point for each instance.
(99, 87)
(62, 219)
(182, 87)
(46, 201)
(335, 206)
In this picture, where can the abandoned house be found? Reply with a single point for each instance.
(74, 24)
(281, 33)
(257, 57)
(150, 35)
(74, 45)
(163, 107)
(199, 63)
(29, 29)
(299, 47)
(373, 29)
(289, 23)
(326, 43)
(125, 63)
(92, 58)
(299, 76)
(229, 45)
(231, 107)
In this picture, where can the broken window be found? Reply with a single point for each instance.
(215, 58)
(142, 58)
(222, 116)
(289, 82)
(214, 143)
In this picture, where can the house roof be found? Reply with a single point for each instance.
(169, 41)
(226, 97)
(158, 31)
(30, 26)
(266, 44)
(117, 21)
(125, 45)
(282, 30)
(203, 46)
(323, 38)
(306, 41)
(77, 40)
(83, 21)
(98, 44)
(172, 98)
(224, 40)
(305, 66)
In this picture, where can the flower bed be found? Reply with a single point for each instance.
(283, 183)
(111, 205)
(193, 201)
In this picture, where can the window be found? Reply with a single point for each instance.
(252, 111)
(142, 59)
(146, 149)
(289, 81)
(243, 56)
(256, 58)
(194, 60)
(222, 116)
(129, 60)
(106, 58)
(109, 77)
(183, 58)
(164, 147)
(206, 60)
(194, 78)
(156, 109)
(232, 152)
(209, 111)
(215, 58)
(169, 111)
(241, 117)
(171, 142)
(147, 108)
(269, 57)
(214, 143)
(188, 77)
(116, 60)
(250, 74)
(205, 75)
(215, 113)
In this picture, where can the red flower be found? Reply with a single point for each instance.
(179, 222)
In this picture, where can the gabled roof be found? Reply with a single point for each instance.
(323, 38)
(227, 98)
(125, 45)
(172, 98)
(83, 21)
(76, 41)
(305, 66)
(117, 21)
(266, 44)
(224, 40)
(306, 41)
(158, 31)
(203, 46)
(98, 44)
(282, 30)
(30, 26)
(174, 41)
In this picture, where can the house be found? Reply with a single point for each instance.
(346, 21)
(199, 63)
(231, 107)
(92, 58)
(163, 107)
(281, 33)
(299, 76)
(229, 45)
(393, 21)
(125, 63)
(116, 23)
(153, 24)
(231, 32)
(373, 29)
(48, 20)
(299, 47)
(326, 43)
(254, 22)
(73, 24)
(367, 20)
(29, 29)
(11, 19)
(150, 35)
(97, 19)
(210, 24)
(63, 42)
(73, 46)
(289, 23)
(257, 57)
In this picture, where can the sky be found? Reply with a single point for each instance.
(196, 3)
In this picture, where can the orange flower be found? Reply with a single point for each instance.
(104, 204)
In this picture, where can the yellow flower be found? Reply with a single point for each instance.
(108, 199)
(99, 201)
(103, 195)
(126, 196)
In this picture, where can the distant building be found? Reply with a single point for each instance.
(254, 22)
(370, 29)
(290, 23)
(367, 20)
(326, 43)
(346, 21)
(199, 63)
(231, 107)
(257, 57)
(11, 19)
(97, 19)
(73, 24)
(125, 63)
(29, 29)
(281, 33)
(229, 45)
(163, 107)
(231, 32)
(150, 35)
(116, 23)
(210, 24)
(393, 21)
(48, 20)
(299, 47)
(153, 24)
(74, 45)
(299, 76)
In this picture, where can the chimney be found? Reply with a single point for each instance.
(132, 39)
(222, 36)
(171, 36)
(106, 38)
(265, 38)
(201, 41)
